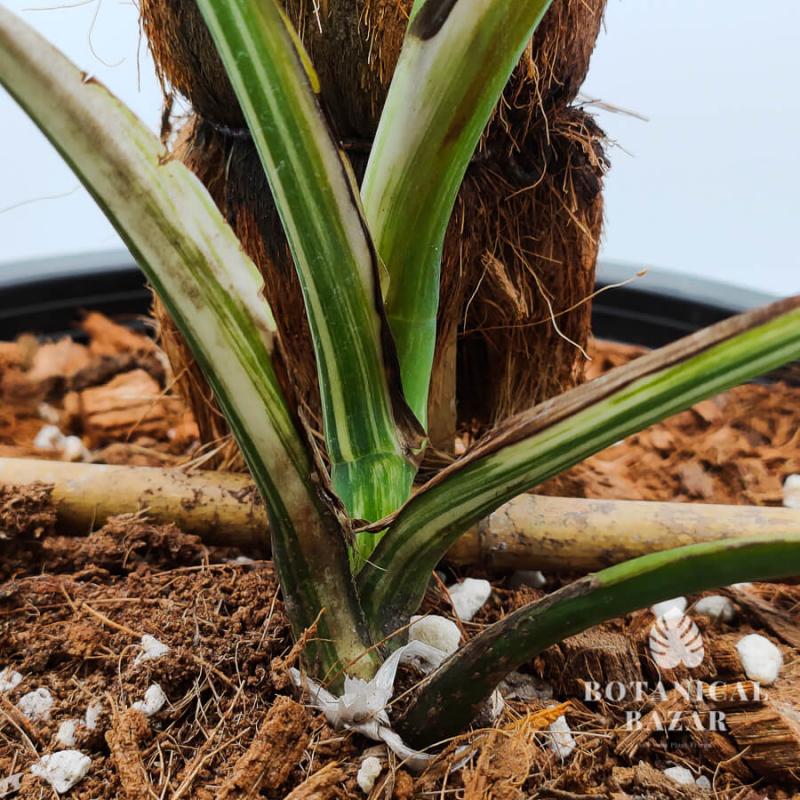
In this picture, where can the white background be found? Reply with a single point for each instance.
(708, 185)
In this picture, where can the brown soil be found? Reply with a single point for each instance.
(73, 610)
(735, 448)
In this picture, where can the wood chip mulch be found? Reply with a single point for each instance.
(73, 611)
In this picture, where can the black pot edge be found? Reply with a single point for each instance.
(47, 295)
(681, 286)
(663, 306)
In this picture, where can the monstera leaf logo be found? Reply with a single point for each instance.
(676, 640)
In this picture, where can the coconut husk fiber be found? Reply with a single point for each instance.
(519, 258)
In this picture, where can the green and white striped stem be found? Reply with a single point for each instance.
(445, 702)
(457, 56)
(535, 445)
(214, 294)
(368, 429)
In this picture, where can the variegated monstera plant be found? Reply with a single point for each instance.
(368, 264)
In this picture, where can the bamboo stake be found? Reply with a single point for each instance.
(562, 533)
(221, 507)
(529, 532)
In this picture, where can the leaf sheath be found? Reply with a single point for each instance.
(537, 444)
(446, 701)
(457, 56)
(320, 210)
(214, 294)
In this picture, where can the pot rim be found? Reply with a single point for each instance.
(46, 295)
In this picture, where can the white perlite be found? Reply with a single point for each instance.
(62, 770)
(362, 707)
(48, 438)
(436, 631)
(716, 608)
(9, 679)
(152, 648)
(562, 742)
(761, 659)
(670, 608)
(93, 712)
(154, 700)
(791, 491)
(71, 448)
(36, 705)
(680, 775)
(468, 597)
(66, 732)
(368, 773)
(703, 783)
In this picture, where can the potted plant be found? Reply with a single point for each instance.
(354, 541)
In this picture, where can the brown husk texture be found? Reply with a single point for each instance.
(520, 252)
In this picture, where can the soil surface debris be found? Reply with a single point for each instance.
(73, 610)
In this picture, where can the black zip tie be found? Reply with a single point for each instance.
(348, 145)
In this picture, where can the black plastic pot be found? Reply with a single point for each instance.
(663, 306)
(47, 296)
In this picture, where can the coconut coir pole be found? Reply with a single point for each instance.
(529, 532)
(523, 239)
